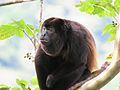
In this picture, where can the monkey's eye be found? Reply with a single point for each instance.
(50, 29)
(44, 29)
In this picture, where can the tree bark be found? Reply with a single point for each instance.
(101, 77)
(111, 71)
(14, 2)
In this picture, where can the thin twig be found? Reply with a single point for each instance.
(41, 10)
(33, 41)
(28, 37)
(33, 34)
(15, 2)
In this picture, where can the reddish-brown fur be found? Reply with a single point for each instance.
(74, 62)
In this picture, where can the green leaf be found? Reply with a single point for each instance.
(86, 7)
(21, 24)
(13, 28)
(90, 1)
(111, 30)
(112, 33)
(111, 38)
(29, 30)
(20, 33)
(107, 28)
(108, 1)
(117, 4)
(98, 10)
(111, 11)
(7, 31)
(30, 26)
(22, 83)
(34, 81)
(18, 28)
(15, 88)
(97, 7)
(37, 30)
(4, 87)
(104, 10)
(37, 88)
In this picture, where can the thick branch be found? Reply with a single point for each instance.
(108, 74)
(93, 75)
(101, 77)
(15, 2)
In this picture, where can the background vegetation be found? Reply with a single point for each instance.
(21, 29)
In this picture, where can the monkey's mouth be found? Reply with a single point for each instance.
(43, 41)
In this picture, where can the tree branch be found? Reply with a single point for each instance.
(41, 10)
(15, 2)
(101, 77)
(93, 75)
(108, 74)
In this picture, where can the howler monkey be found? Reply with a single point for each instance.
(66, 55)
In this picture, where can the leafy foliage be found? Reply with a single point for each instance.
(86, 7)
(4, 87)
(111, 29)
(99, 7)
(34, 81)
(22, 85)
(18, 28)
(15, 88)
(102, 8)
(117, 4)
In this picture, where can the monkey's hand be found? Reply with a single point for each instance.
(50, 81)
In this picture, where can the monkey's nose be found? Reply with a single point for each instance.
(42, 37)
(43, 40)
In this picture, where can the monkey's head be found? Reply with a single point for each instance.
(53, 36)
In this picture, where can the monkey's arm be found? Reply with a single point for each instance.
(66, 70)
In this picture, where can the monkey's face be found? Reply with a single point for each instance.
(51, 41)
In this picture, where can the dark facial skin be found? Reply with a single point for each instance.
(47, 34)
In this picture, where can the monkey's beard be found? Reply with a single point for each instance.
(53, 48)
